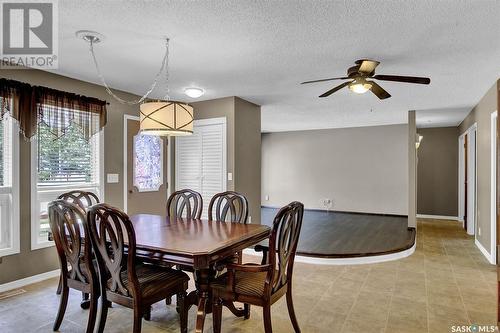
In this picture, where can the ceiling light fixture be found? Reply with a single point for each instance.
(360, 86)
(159, 117)
(194, 92)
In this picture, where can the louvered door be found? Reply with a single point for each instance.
(201, 160)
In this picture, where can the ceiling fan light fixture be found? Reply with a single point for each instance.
(360, 86)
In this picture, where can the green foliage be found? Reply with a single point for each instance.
(64, 159)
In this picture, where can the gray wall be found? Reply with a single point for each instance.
(412, 170)
(243, 145)
(361, 169)
(221, 107)
(481, 114)
(247, 171)
(437, 189)
(28, 262)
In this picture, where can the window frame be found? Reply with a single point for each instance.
(15, 237)
(56, 190)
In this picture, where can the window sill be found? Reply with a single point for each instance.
(42, 245)
(9, 252)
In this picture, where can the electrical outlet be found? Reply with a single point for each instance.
(250, 219)
(267, 197)
(479, 231)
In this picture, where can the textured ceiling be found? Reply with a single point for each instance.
(261, 50)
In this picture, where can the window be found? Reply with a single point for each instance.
(148, 162)
(61, 162)
(9, 187)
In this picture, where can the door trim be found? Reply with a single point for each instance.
(471, 188)
(461, 179)
(126, 118)
(493, 217)
(207, 122)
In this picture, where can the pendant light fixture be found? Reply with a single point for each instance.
(166, 117)
(159, 117)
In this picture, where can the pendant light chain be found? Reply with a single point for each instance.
(164, 65)
(167, 72)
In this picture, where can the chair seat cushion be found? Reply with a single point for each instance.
(245, 283)
(155, 279)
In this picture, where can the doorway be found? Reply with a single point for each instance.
(146, 170)
(468, 179)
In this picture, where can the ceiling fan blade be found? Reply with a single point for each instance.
(406, 79)
(379, 91)
(331, 91)
(367, 66)
(323, 80)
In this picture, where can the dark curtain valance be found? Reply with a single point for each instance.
(31, 105)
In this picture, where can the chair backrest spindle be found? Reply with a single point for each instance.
(82, 199)
(283, 243)
(229, 207)
(185, 204)
(65, 223)
(111, 230)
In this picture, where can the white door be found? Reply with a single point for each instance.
(200, 159)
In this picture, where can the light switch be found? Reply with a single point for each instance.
(229, 176)
(112, 178)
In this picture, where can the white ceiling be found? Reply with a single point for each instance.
(261, 50)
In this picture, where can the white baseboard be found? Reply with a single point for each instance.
(484, 252)
(29, 280)
(438, 217)
(346, 261)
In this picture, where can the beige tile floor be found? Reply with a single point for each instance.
(445, 282)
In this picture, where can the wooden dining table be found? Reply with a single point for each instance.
(197, 244)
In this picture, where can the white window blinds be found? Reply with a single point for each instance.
(66, 159)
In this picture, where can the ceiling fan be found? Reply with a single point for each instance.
(359, 83)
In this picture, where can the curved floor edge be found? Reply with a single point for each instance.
(348, 261)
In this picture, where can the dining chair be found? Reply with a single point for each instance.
(181, 204)
(228, 206)
(185, 204)
(263, 285)
(78, 269)
(84, 200)
(124, 279)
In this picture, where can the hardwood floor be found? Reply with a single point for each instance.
(345, 235)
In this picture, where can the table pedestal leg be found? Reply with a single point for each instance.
(200, 314)
(204, 302)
